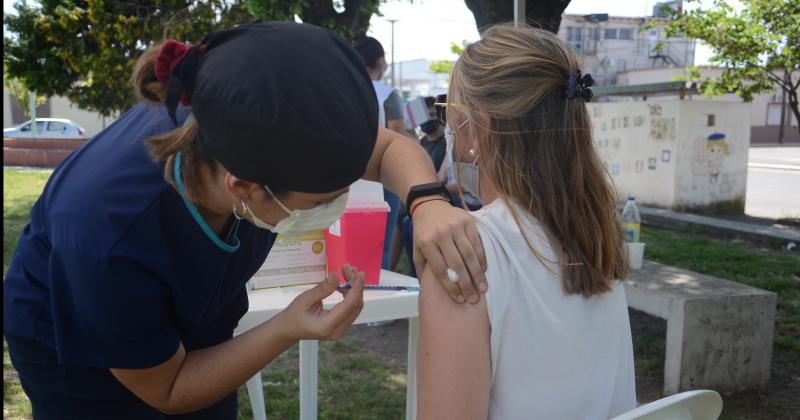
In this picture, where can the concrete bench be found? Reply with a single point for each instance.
(719, 333)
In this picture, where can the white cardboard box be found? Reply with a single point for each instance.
(293, 261)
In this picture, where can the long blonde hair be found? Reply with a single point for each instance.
(537, 150)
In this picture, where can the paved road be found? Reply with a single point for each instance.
(773, 182)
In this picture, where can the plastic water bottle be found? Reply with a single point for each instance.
(631, 221)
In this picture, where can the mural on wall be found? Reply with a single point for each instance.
(677, 153)
(709, 154)
(661, 128)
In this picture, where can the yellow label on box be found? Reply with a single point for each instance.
(293, 261)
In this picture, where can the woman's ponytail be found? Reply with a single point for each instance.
(164, 147)
(144, 81)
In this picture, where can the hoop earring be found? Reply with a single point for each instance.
(236, 213)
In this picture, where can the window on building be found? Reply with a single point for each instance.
(619, 33)
(653, 44)
(592, 34)
(574, 37)
(774, 114)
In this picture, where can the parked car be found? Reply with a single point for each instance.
(48, 128)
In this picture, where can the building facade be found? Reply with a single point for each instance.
(608, 45)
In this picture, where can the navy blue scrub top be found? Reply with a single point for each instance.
(114, 270)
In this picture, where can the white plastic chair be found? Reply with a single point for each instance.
(689, 405)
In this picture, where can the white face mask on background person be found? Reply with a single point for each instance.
(300, 222)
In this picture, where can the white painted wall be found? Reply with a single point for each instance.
(658, 151)
(698, 159)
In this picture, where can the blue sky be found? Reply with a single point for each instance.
(426, 28)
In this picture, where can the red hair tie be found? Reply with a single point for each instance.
(171, 53)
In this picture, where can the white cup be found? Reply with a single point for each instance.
(635, 254)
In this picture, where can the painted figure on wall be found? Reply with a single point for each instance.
(709, 153)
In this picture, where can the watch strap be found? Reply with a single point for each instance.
(424, 190)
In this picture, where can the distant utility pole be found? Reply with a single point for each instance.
(32, 105)
(32, 102)
(519, 12)
(392, 21)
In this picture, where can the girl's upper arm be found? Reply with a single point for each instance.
(453, 355)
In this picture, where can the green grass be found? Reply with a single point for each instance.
(352, 385)
(766, 268)
(760, 265)
(20, 191)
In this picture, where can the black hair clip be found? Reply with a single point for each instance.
(578, 86)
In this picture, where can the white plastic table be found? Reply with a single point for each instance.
(379, 305)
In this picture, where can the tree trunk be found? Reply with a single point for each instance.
(545, 14)
(795, 107)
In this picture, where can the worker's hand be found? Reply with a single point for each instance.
(445, 237)
(307, 319)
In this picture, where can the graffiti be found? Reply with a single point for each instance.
(639, 166)
(662, 128)
(709, 154)
(666, 155)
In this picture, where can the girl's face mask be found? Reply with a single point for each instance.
(300, 222)
(468, 174)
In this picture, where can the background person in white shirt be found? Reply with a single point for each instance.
(551, 338)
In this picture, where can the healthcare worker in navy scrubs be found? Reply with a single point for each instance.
(126, 286)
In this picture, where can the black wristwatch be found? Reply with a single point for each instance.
(424, 190)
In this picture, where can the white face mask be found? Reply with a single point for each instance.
(300, 222)
(469, 177)
(468, 173)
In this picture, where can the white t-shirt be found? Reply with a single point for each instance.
(382, 91)
(554, 356)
